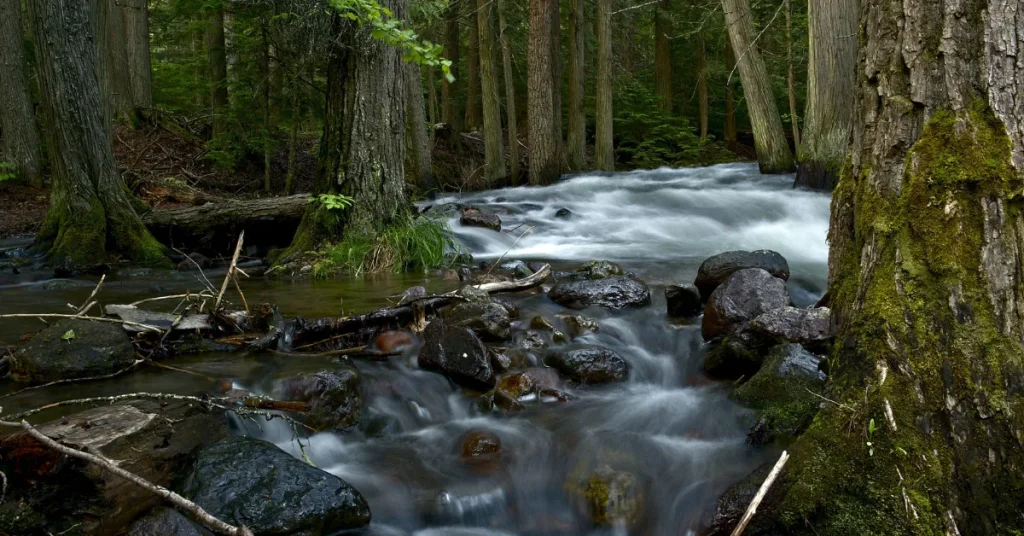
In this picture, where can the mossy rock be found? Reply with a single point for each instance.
(782, 391)
(73, 349)
(598, 270)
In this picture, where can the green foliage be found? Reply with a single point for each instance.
(8, 171)
(413, 244)
(333, 201)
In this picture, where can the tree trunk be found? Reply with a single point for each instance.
(730, 100)
(702, 85)
(604, 149)
(17, 116)
(112, 50)
(577, 146)
(510, 96)
(831, 86)
(663, 55)
(451, 94)
(90, 213)
(791, 79)
(136, 25)
(927, 286)
(419, 148)
(556, 85)
(773, 154)
(216, 51)
(494, 148)
(265, 83)
(474, 111)
(293, 140)
(362, 151)
(544, 163)
(432, 117)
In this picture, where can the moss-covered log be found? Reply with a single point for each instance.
(927, 287)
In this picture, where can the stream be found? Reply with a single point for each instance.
(674, 432)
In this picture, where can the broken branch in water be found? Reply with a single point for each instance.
(88, 301)
(136, 363)
(752, 509)
(231, 271)
(144, 327)
(200, 514)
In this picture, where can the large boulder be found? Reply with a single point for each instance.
(715, 270)
(591, 365)
(611, 293)
(683, 301)
(246, 481)
(163, 521)
(810, 327)
(747, 294)
(474, 217)
(457, 353)
(781, 392)
(73, 349)
(489, 320)
(333, 396)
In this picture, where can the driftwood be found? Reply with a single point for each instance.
(752, 509)
(215, 225)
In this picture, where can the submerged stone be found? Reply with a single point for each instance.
(597, 270)
(579, 325)
(457, 353)
(540, 323)
(474, 217)
(333, 396)
(590, 365)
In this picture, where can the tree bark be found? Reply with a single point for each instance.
(474, 105)
(419, 148)
(544, 165)
(702, 85)
(136, 24)
(265, 83)
(604, 150)
(432, 115)
(451, 94)
(90, 213)
(293, 136)
(494, 148)
(510, 96)
(791, 78)
(556, 86)
(831, 86)
(17, 116)
(926, 284)
(577, 145)
(362, 150)
(216, 51)
(773, 154)
(730, 100)
(663, 55)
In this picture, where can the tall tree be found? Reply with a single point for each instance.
(556, 85)
(773, 154)
(474, 104)
(831, 86)
(419, 143)
(604, 147)
(17, 117)
(577, 144)
(791, 77)
(730, 100)
(510, 95)
(926, 283)
(702, 85)
(362, 150)
(494, 148)
(544, 164)
(663, 55)
(216, 52)
(451, 91)
(90, 213)
(140, 67)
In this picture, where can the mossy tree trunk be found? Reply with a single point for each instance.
(604, 145)
(927, 283)
(494, 147)
(91, 215)
(773, 154)
(419, 142)
(451, 92)
(362, 150)
(474, 105)
(831, 86)
(544, 165)
(17, 118)
(702, 85)
(577, 142)
(510, 95)
(663, 55)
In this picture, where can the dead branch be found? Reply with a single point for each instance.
(752, 509)
(231, 271)
(134, 364)
(88, 301)
(145, 327)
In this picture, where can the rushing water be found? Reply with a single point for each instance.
(677, 434)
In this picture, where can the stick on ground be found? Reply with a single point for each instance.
(752, 509)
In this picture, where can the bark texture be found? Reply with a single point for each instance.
(216, 52)
(510, 96)
(362, 150)
(451, 93)
(794, 118)
(730, 100)
(17, 117)
(702, 85)
(544, 165)
(604, 145)
(927, 286)
(663, 55)
(773, 154)
(577, 143)
(474, 105)
(556, 86)
(419, 142)
(494, 147)
(90, 213)
(831, 87)
(140, 68)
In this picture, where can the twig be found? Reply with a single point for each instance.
(174, 297)
(177, 500)
(231, 271)
(205, 281)
(178, 369)
(92, 318)
(76, 380)
(497, 262)
(752, 509)
(88, 301)
(631, 8)
(844, 406)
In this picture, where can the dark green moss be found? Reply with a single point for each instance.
(784, 401)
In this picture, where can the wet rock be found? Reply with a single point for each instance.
(779, 391)
(450, 275)
(73, 349)
(480, 448)
(412, 294)
(563, 213)
(609, 497)
(483, 279)
(734, 502)
(333, 396)
(64, 284)
(474, 217)
(611, 293)
(508, 359)
(810, 327)
(194, 262)
(457, 353)
(579, 325)
(514, 389)
(473, 294)
(535, 266)
(163, 521)
(683, 301)
(250, 482)
(715, 270)
(590, 365)
(597, 270)
(530, 339)
(148, 438)
(737, 355)
(511, 308)
(519, 269)
(391, 342)
(747, 294)
(540, 323)
(488, 320)
(465, 275)
(64, 269)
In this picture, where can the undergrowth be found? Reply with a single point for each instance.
(412, 244)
